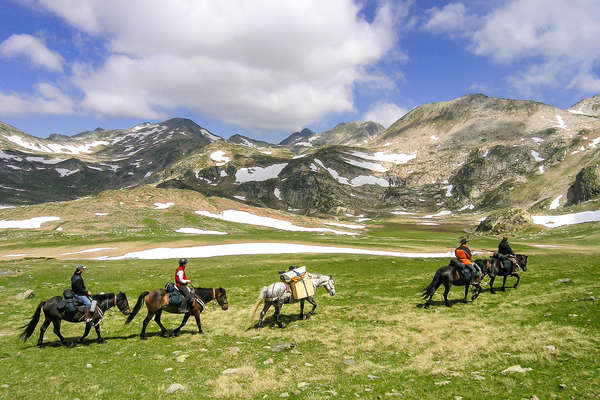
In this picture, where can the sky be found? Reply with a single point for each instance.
(267, 68)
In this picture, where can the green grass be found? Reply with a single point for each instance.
(376, 319)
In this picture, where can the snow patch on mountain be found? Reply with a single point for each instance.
(258, 174)
(26, 223)
(386, 157)
(219, 157)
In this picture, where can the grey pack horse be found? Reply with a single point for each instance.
(278, 294)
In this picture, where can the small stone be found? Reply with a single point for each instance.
(372, 377)
(548, 314)
(591, 298)
(176, 352)
(283, 346)
(28, 294)
(231, 371)
(5, 386)
(167, 369)
(442, 383)
(268, 361)
(516, 369)
(308, 365)
(562, 386)
(88, 365)
(174, 387)
(534, 397)
(550, 347)
(457, 397)
(367, 389)
(478, 378)
(303, 385)
(349, 361)
(561, 281)
(284, 394)
(235, 350)
(182, 358)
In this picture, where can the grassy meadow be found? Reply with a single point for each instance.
(372, 340)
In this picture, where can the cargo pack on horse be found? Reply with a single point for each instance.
(278, 294)
(451, 275)
(157, 301)
(498, 268)
(54, 314)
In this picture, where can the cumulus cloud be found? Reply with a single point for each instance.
(263, 65)
(33, 49)
(47, 99)
(453, 18)
(385, 113)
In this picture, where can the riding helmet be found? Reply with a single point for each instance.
(182, 261)
(463, 241)
(79, 267)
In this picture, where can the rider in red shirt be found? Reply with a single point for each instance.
(182, 281)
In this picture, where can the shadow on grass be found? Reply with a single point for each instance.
(283, 318)
(441, 303)
(88, 341)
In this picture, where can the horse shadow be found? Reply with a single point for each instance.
(286, 319)
(85, 342)
(441, 303)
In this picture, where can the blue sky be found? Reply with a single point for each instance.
(267, 68)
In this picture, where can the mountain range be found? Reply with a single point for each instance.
(470, 153)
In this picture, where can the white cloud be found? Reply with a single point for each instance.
(46, 100)
(385, 113)
(32, 48)
(549, 43)
(453, 18)
(264, 65)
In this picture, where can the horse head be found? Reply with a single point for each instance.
(522, 260)
(329, 284)
(123, 304)
(221, 296)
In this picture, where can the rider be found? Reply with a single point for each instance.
(505, 252)
(182, 281)
(80, 292)
(463, 254)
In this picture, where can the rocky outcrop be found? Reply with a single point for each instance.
(586, 185)
(589, 106)
(505, 221)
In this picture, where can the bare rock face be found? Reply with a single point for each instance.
(589, 106)
(505, 221)
(586, 185)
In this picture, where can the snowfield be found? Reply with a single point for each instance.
(386, 157)
(243, 217)
(258, 174)
(163, 206)
(219, 157)
(163, 253)
(195, 231)
(553, 221)
(26, 223)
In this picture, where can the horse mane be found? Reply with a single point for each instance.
(103, 296)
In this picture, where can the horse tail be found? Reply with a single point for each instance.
(30, 327)
(435, 283)
(137, 307)
(261, 296)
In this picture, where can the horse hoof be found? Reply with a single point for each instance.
(493, 292)
(514, 287)
(70, 344)
(175, 333)
(426, 306)
(448, 305)
(101, 341)
(302, 317)
(201, 332)
(464, 301)
(503, 289)
(143, 338)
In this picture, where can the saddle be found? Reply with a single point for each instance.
(464, 271)
(506, 263)
(175, 296)
(69, 303)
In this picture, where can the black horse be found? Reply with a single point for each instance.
(55, 316)
(157, 301)
(498, 269)
(450, 275)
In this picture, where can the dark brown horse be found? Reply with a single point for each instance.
(498, 269)
(450, 275)
(157, 301)
(55, 316)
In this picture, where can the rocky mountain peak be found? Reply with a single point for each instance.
(588, 106)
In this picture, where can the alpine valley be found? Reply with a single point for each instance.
(471, 153)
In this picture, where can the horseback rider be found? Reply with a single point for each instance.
(506, 253)
(81, 293)
(182, 281)
(463, 254)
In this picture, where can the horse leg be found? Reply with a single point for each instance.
(100, 339)
(302, 309)
(504, 283)
(56, 323)
(88, 326)
(492, 278)
(198, 323)
(183, 322)
(262, 313)
(446, 291)
(163, 330)
(518, 279)
(43, 328)
(145, 324)
(476, 294)
(278, 305)
(312, 301)
(466, 292)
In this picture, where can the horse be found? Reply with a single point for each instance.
(157, 301)
(450, 275)
(497, 269)
(278, 294)
(55, 316)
